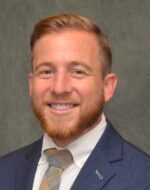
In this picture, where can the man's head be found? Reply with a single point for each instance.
(71, 75)
(62, 22)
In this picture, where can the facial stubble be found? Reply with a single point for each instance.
(58, 129)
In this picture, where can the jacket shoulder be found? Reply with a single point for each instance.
(136, 156)
(17, 155)
(131, 165)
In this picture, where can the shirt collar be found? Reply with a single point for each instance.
(80, 148)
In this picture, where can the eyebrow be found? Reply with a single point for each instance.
(48, 64)
(82, 64)
(70, 64)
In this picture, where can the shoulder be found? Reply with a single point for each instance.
(134, 163)
(131, 165)
(135, 166)
(136, 158)
(127, 149)
(16, 156)
(132, 154)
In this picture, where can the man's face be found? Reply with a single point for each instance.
(66, 86)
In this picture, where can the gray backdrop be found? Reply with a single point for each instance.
(127, 23)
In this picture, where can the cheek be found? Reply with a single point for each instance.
(89, 90)
(38, 89)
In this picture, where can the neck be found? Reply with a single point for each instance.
(63, 142)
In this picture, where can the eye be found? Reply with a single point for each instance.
(78, 73)
(44, 73)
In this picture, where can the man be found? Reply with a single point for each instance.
(69, 84)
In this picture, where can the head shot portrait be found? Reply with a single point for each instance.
(70, 82)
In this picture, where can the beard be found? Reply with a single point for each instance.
(67, 127)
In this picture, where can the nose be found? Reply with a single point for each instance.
(61, 84)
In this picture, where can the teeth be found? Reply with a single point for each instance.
(61, 106)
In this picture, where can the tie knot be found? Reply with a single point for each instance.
(59, 158)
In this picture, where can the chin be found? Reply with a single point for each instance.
(61, 130)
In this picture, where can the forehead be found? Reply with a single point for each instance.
(67, 36)
(67, 46)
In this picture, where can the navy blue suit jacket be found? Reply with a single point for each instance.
(114, 164)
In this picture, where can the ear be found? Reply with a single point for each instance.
(110, 83)
(30, 80)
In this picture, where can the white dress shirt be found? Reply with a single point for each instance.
(80, 150)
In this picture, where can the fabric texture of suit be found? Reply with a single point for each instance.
(114, 164)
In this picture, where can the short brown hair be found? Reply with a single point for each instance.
(58, 23)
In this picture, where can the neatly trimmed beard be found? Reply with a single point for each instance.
(59, 129)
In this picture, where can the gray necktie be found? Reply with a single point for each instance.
(58, 160)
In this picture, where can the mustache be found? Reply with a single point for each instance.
(64, 97)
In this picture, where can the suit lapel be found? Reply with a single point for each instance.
(27, 167)
(98, 169)
(93, 175)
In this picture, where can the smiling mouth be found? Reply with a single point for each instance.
(62, 107)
